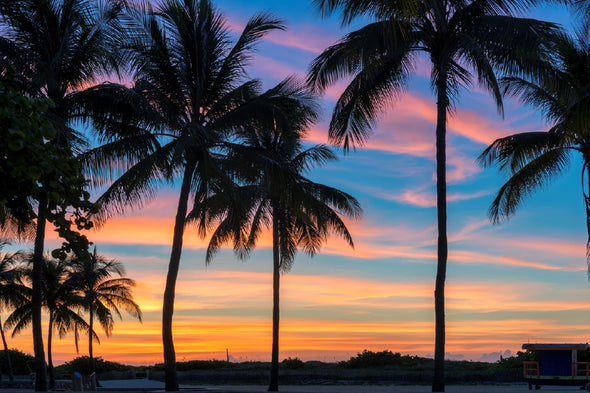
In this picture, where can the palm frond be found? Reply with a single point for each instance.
(535, 174)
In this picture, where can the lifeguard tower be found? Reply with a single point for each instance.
(557, 365)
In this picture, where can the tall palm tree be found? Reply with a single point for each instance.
(13, 292)
(190, 94)
(276, 195)
(57, 46)
(61, 302)
(102, 296)
(533, 159)
(465, 41)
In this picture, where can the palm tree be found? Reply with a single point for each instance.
(277, 195)
(533, 159)
(57, 47)
(190, 94)
(465, 41)
(62, 303)
(102, 296)
(12, 292)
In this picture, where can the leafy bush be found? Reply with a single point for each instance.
(82, 365)
(292, 363)
(18, 360)
(385, 358)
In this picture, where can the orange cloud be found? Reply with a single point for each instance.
(218, 309)
(371, 241)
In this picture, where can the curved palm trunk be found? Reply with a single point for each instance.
(49, 358)
(7, 352)
(36, 301)
(171, 377)
(274, 363)
(438, 382)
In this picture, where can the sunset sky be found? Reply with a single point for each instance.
(524, 280)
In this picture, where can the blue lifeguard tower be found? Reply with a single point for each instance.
(557, 365)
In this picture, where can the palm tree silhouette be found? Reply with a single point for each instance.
(13, 292)
(465, 41)
(276, 194)
(61, 302)
(102, 296)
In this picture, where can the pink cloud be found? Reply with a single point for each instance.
(272, 68)
(409, 128)
(425, 196)
(309, 38)
(306, 37)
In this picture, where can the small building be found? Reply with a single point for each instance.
(557, 365)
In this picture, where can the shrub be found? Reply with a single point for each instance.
(370, 358)
(82, 365)
(18, 360)
(292, 363)
(383, 358)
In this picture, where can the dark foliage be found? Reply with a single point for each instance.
(292, 363)
(383, 358)
(515, 362)
(195, 365)
(19, 361)
(83, 365)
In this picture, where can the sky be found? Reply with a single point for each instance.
(523, 280)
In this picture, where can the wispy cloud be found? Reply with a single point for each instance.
(424, 196)
(400, 319)
(306, 37)
(408, 127)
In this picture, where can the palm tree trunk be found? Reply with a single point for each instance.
(90, 330)
(171, 377)
(586, 192)
(5, 349)
(438, 382)
(7, 352)
(274, 363)
(36, 300)
(49, 358)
